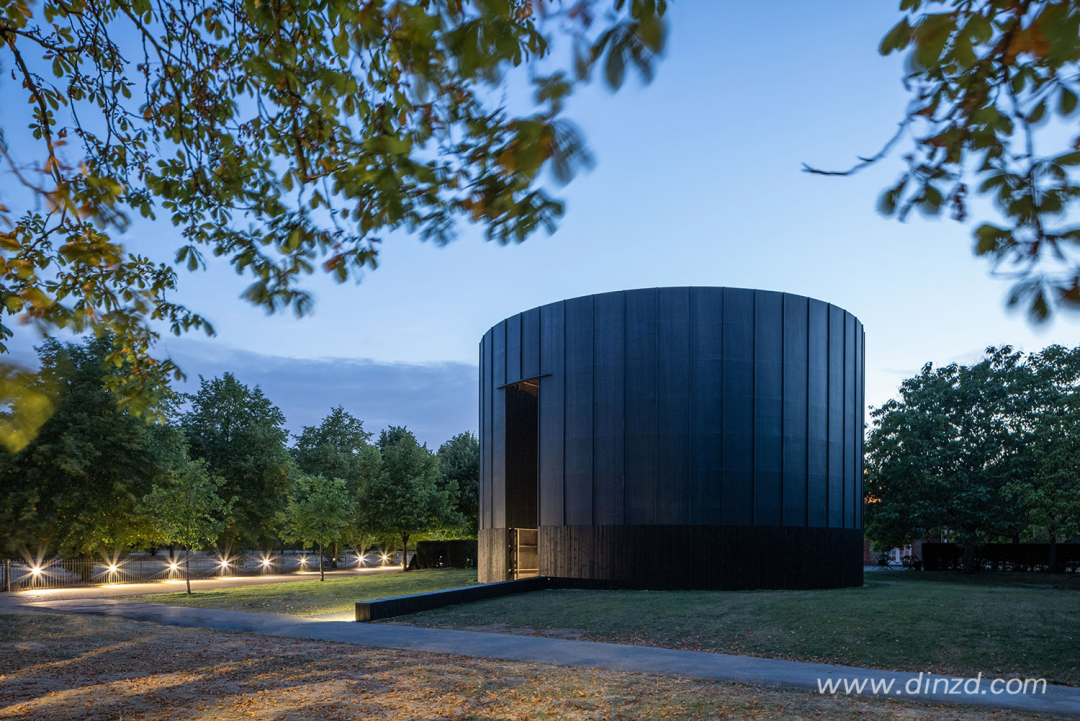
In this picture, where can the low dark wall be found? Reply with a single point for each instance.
(1001, 556)
(404, 605)
(705, 557)
(447, 554)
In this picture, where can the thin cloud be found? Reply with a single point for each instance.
(434, 400)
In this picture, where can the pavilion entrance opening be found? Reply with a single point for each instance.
(522, 503)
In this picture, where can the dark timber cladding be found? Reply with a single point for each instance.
(676, 438)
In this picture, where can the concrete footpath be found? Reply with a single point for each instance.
(1057, 700)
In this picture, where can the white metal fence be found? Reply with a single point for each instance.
(67, 572)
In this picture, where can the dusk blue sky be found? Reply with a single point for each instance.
(697, 182)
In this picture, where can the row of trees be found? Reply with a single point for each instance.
(218, 470)
(981, 453)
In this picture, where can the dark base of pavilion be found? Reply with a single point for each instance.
(685, 557)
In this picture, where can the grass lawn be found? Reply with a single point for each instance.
(312, 598)
(999, 624)
(88, 667)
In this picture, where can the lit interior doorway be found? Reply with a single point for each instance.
(522, 440)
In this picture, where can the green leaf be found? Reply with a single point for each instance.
(931, 200)
(963, 51)
(931, 35)
(979, 29)
(889, 198)
(651, 29)
(988, 239)
(1040, 309)
(1068, 158)
(897, 38)
(1066, 102)
(615, 67)
(341, 44)
(1037, 114)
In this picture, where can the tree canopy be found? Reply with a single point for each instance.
(75, 487)
(187, 509)
(1049, 490)
(99, 480)
(319, 509)
(459, 463)
(978, 453)
(241, 436)
(992, 82)
(407, 497)
(337, 448)
(282, 137)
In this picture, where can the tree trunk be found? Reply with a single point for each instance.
(404, 551)
(1053, 553)
(322, 573)
(187, 568)
(969, 558)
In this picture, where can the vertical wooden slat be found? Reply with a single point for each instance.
(579, 411)
(738, 415)
(640, 471)
(768, 408)
(796, 330)
(609, 376)
(552, 414)
(706, 404)
(673, 407)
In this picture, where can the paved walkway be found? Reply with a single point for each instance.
(1058, 700)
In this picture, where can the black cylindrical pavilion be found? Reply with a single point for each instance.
(674, 438)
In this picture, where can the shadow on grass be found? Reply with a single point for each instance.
(997, 624)
(96, 667)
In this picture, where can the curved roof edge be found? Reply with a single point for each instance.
(669, 287)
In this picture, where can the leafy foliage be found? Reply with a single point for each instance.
(978, 452)
(30, 402)
(283, 137)
(319, 509)
(1050, 491)
(406, 498)
(98, 479)
(188, 510)
(985, 76)
(459, 462)
(75, 488)
(337, 448)
(241, 436)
